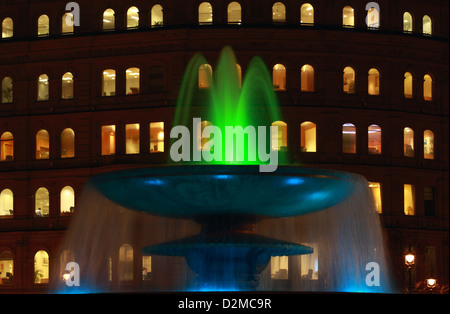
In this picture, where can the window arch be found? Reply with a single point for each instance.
(348, 138)
(234, 13)
(125, 265)
(67, 199)
(279, 77)
(67, 86)
(157, 17)
(427, 25)
(373, 18)
(132, 18)
(279, 140)
(67, 23)
(132, 81)
(109, 82)
(7, 27)
(308, 137)
(349, 80)
(428, 144)
(278, 13)
(41, 267)
(307, 14)
(109, 22)
(204, 76)
(408, 85)
(408, 25)
(7, 267)
(374, 139)
(43, 87)
(42, 145)
(348, 16)
(6, 202)
(67, 143)
(373, 82)
(41, 202)
(7, 147)
(307, 78)
(205, 13)
(408, 142)
(43, 26)
(7, 90)
(427, 87)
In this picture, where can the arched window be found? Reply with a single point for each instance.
(67, 143)
(67, 23)
(307, 14)
(66, 257)
(348, 16)
(204, 76)
(41, 267)
(374, 139)
(132, 138)
(7, 267)
(234, 13)
(42, 87)
(373, 18)
(427, 25)
(7, 90)
(279, 140)
(156, 137)
(6, 203)
(7, 28)
(279, 77)
(67, 199)
(201, 141)
(109, 22)
(428, 87)
(408, 25)
(41, 202)
(109, 82)
(108, 140)
(132, 81)
(67, 86)
(43, 26)
(157, 17)
(308, 137)
(373, 82)
(125, 266)
(408, 142)
(205, 13)
(349, 80)
(6, 146)
(348, 138)
(428, 144)
(42, 145)
(278, 13)
(307, 78)
(132, 18)
(408, 85)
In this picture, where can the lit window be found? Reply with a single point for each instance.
(157, 137)
(427, 88)
(132, 138)
(279, 77)
(109, 23)
(427, 26)
(6, 202)
(67, 143)
(374, 140)
(146, 267)
(205, 13)
(201, 141)
(67, 86)
(41, 202)
(375, 188)
(429, 201)
(41, 267)
(408, 85)
(278, 13)
(408, 142)
(108, 140)
(407, 23)
(204, 76)
(7, 266)
(67, 23)
(67, 199)
(308, 137)
(132, 81)
(309, 263)
(307, 78)
(109, 82)
(125, 262)
(43, 87)
(6, 146)
(66, 257)
(373, 18)
(348, 138)
(42, 145)
(348, 17)
(234, 13)
(7, 90)
(409, 199)
(43, 25)
(132, 18)
(239, 73)
(349, 80)
(428, 144)
(279, 266)
(7, 28)
(307, 14)
(280, 138)
(157, 18)
(374, 82)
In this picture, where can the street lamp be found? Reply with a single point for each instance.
(431, 283)
(409, 262)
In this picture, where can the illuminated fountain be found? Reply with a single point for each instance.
(231, 217)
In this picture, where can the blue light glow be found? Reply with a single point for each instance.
(154, 182)
(222, 176)
(294, 181)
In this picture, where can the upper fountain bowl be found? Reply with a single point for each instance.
(202, 190)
